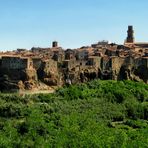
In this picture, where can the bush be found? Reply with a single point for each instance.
(94, 114)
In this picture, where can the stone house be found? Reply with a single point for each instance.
(11, 62)
(94, 61)
(69, 54)
(82, 54)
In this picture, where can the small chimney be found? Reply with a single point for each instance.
(54, 44)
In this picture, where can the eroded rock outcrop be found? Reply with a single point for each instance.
(22, 74)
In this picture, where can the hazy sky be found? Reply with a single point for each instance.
(74, 23)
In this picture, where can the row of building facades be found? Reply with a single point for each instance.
(28, 69)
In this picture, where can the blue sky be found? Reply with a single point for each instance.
(73, 23)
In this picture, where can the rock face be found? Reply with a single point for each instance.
(42, 68)
(114, 68)
(31, 76)
(48, 73)
(41, 74)
(136, 70)
(142, 73)
(7, 84)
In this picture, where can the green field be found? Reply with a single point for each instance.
(108, 114)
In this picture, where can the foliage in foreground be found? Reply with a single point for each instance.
(95, 114)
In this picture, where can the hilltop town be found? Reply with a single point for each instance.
(43, 68)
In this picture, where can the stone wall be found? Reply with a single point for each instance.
(48, 72)
(15, 63)
(145, 61)
(116, 63)
(95, 61)
(69, 64)
(37, 62)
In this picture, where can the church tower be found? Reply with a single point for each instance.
(130, 35)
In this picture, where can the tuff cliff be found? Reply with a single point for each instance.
(43, 68)
(17, 74)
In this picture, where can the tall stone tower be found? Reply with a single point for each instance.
(130, 35)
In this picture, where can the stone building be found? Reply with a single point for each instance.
(82, 54)
(69, 54)
(37, 62)
(16, 70)
(69, 64)
(94, 61)
(100, 44)
(11, 62)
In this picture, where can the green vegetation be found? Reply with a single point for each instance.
(96, 114)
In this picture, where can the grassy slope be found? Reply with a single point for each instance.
(96, 114)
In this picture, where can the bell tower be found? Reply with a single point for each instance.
(130, 35)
